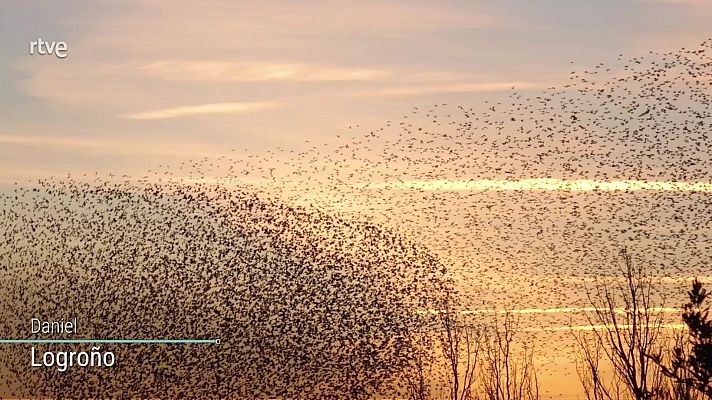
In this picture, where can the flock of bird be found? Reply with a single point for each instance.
(304, 304)
(643, 119)
(309, 266)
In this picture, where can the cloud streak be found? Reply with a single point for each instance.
(601, 327)
(547, 184)
(202, 109)
(419, 90)
(154, 148)
(217, 71)
(566, 310)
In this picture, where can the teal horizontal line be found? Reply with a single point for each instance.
(109, 341)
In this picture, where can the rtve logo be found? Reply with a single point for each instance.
(42, 47)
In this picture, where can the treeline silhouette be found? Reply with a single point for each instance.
(312, 304)
(629, 351)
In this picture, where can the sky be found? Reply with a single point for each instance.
(148, 82)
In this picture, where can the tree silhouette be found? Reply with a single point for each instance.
(625, 331)
(458, 359)
(691, 360)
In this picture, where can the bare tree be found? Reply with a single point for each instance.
(417, 373)
(444, 358)
(461, 344)
(508, 372)
(626, 328)
(463, 361)
(590, 372)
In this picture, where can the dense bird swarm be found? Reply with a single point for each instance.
(299, 261)
(305, 305)
(646, 118)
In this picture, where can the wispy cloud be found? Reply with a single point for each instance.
(565, 310)
(600, 327)
(184, 70)
(108, 146)
(202, 109)
(10, 175)
(419, 90)
(547, 184)
(659, 280)
(568, 310)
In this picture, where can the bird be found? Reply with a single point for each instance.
(315, 266)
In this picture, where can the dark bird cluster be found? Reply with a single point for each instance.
(310, 265)
(642, 122)
(305, 305)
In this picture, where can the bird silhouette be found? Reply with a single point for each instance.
(312, 265)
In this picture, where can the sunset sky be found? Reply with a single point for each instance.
(151, 82)
(147, 82)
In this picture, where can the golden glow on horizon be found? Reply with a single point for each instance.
(599, 327)
(547, 184)
(568, 310)
(618, 310)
